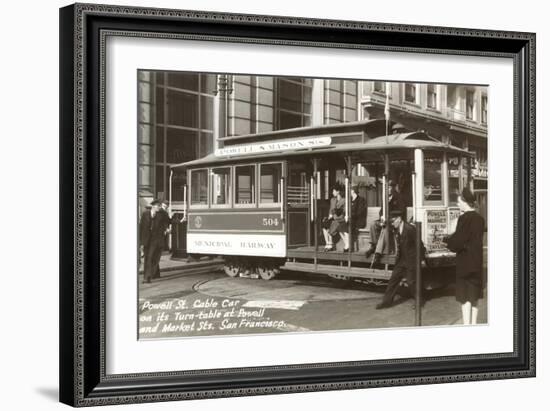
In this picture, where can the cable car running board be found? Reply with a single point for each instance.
(360, 272)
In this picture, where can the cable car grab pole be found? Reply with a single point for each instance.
(170, 206)
(418, 291)
(414, 196)
(349, 169)
(384, 197)
(386, 200)
(314, 188)
(311, 199)
(346, 208)
(282, 197)
(184, 218)
(170, 192)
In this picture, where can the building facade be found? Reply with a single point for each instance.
(455, 114)
(182, 116)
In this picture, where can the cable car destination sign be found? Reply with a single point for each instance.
(272, 146)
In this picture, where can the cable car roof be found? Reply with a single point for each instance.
(383, 144)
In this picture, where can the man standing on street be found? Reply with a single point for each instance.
(152, 228)
(167, 221)
(405, 264)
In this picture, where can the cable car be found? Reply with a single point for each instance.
(258, 201)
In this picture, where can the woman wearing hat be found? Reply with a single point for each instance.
(467, 243)
(335, 223)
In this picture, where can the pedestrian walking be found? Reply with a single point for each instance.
(405, 263)
(467, 243)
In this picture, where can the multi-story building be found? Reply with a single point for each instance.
(452, 113)
(183, 116)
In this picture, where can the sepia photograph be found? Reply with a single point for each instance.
(260, 204)
(293, 204)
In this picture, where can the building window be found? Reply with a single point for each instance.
(146, 134)
(253, 104)
(199, 187)
(340, 101)
(452, 97)
(181, 146)
(221, 186)
(245, 185)
(380, 87)
(432, 181)
(470, 104)
(411, 91)
(432, 96)
(293, 102)
(184, 121)
(484, 109)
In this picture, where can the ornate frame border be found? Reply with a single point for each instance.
(84, 29)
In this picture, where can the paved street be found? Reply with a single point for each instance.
(184, 303)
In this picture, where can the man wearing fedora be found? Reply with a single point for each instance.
(405, 263)
(152, 228)
(167, 221)
(377, 231)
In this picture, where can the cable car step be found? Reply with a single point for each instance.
(361, 272)
(356, 257)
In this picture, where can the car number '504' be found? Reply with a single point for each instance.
(270, 221)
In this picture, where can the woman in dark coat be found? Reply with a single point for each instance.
(333, 223)
(467, 243)
(339, 224)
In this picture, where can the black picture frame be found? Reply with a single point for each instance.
(83, 29)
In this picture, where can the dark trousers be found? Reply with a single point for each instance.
(397, 275)
(151, 261)
(374, 231)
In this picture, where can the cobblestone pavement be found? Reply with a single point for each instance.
(210, 303)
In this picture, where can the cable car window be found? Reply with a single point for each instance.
(270, 177)
(432, 180)
(340, 176)
(221, 186)
(179, 178)
(245, 185)
(453, 190)
(400, 172)
(369, 176)
(199, 187)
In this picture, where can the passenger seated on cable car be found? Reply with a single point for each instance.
(335, 223)
(378, 244)
(358, 212)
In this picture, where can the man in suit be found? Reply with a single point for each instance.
(405, 264)
(166, 221)
(378, 227)
(358, 212)
(152, 228)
